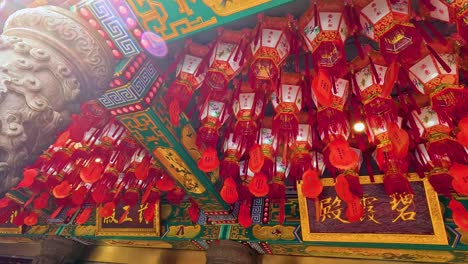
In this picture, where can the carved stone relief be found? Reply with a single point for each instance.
(50, 62)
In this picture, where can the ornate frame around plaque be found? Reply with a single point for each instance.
(123, 231)
(9, 228)
(437, 236)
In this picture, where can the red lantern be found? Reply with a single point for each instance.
(287, 103)
(459, 214)
(331, 120)
(462, 135)
(190, 74)
(387, 22)
(245, 220)
(226, 61)
(232, 154)
(354, 210)
(258, 186)
(299, 149)
(247, 108)
(459, 173)
(440, 145)
(370, 80)
(268, 145)
(324, 30)
(270, 48)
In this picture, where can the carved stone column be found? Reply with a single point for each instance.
(57, 250)
(50, 61)
(230, 252)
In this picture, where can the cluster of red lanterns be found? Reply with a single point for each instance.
(93, 164)
(342, 111)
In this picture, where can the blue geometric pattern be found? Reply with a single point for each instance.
(113, 25)
(257, 210)
(144, 79)
(134, 91)
(203, 244)
(202, 218)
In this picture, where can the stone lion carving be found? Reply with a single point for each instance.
(50, 61)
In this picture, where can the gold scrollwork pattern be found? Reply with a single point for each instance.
(277, 232)
(177, 168)
(144, 129)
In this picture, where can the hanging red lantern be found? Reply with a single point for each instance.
(232, 154)
(440, 144)
(190, 74)
(265, 160)
(92, 172)
(226, 61)
(299, 150)
(247, 108)
(387, 22)
(373, 82)
(271, 45)
(331, 119)
(288, 103)
(212, 116)
(324, 30)
(322, 89)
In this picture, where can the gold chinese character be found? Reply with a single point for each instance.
(13, 216)
(331, 210)
(369, 212)
(401, 203)
(111, 219)
(143, 207)
(124, 218)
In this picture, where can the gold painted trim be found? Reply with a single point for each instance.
(438, 238)
(130, 232)
(11, 230)
(232, 7)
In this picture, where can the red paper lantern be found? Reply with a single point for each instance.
(62, 190)
(459, 214)
(232, 154)
(190, 74)
(324, 30)
(288, 103)
(31, 219)
(226, 60)
(387, 22)
(354, 210)
(247, 108)
(270, 47)
(299, 149)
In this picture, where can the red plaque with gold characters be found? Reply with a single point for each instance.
(131, 224)
(410, 218)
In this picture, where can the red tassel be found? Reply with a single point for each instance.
(374, 70)
(194, 212)
(439, 59)
(245, 220)
(357, 91)
(316, 15)
(281, 215)
(84, 216)
(354, 185)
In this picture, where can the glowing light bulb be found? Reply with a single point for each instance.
(98, 160)
(359, 127)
